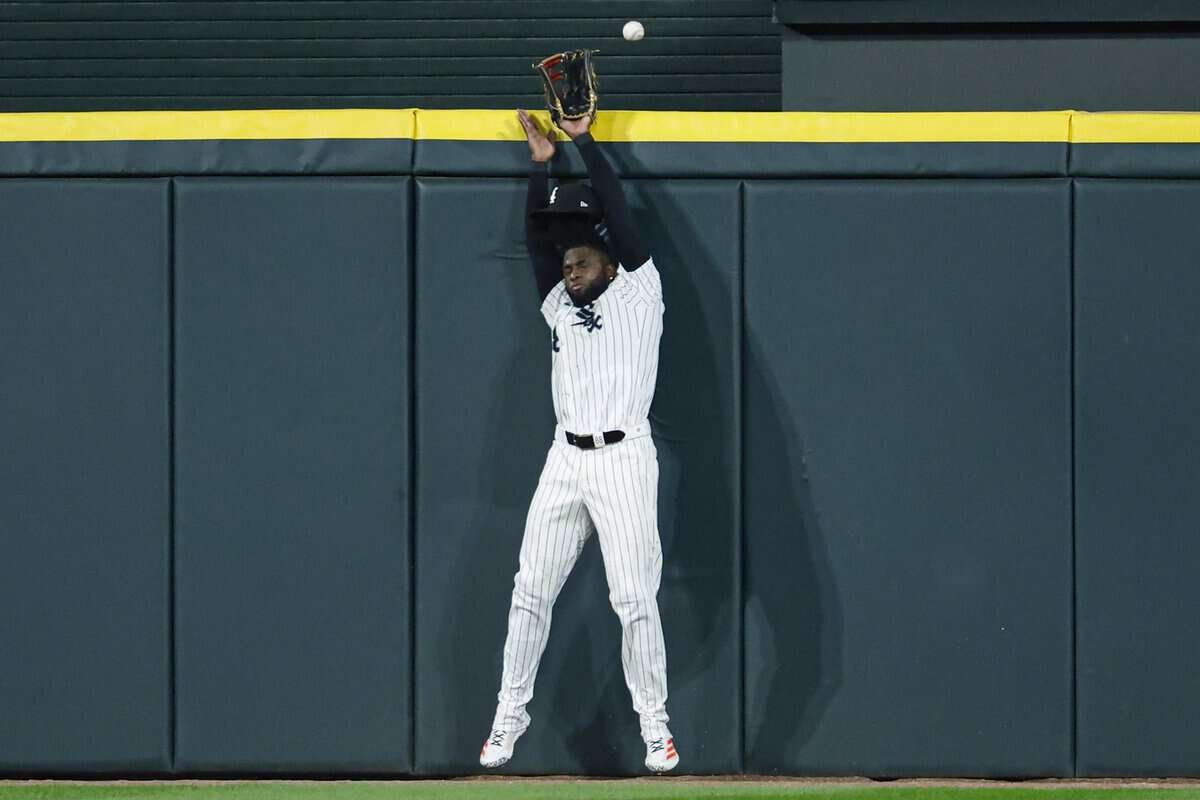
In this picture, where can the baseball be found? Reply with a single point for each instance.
(633, 31)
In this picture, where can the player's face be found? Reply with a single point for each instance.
(586, 272)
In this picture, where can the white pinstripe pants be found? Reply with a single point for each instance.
(614, 491)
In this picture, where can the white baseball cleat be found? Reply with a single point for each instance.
(497, 748)
(661, 755)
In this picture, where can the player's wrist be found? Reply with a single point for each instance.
(583, 139)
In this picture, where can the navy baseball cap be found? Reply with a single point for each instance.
(576, 199)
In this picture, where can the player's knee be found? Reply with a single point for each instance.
(529, 593)
(629, 605)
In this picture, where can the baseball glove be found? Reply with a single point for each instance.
(570, 80)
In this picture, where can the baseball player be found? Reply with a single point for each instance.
(603, 303)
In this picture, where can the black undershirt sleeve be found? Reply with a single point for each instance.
(547, 266)
(623, 235)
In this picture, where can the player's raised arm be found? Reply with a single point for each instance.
(626, 242)
(547, 267)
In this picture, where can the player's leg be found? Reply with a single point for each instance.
(556, 528)
(621, 492)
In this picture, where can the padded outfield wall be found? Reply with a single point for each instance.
(274, 397)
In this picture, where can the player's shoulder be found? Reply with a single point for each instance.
(648, 269)
(647, 264)
(555, 303)
(645, 279)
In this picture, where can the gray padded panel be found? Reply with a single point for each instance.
(84, 497)
(907, 494)
(484, 422)
(292, 576)
(209, 157)
(1157, 160)
(1137, 456)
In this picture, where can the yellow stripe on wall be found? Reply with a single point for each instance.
(613, 126)
(1128, 128)
(130, 126)
(785, 126)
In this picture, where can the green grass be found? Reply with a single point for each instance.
(573, 790)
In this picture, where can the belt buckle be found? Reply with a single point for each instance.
(598, 440)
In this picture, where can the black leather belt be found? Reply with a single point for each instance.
(589, 442)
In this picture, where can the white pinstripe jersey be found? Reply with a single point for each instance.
(604, 356)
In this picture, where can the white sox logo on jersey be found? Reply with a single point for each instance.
(588, 318)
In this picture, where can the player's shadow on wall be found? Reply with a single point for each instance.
(591, 709)
(696, 430)
(792, 613)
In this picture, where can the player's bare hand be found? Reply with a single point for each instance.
(541, 143)
(575, 127)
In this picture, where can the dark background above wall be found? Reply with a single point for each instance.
(928, 13)
(989, 55)
(79, 56)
